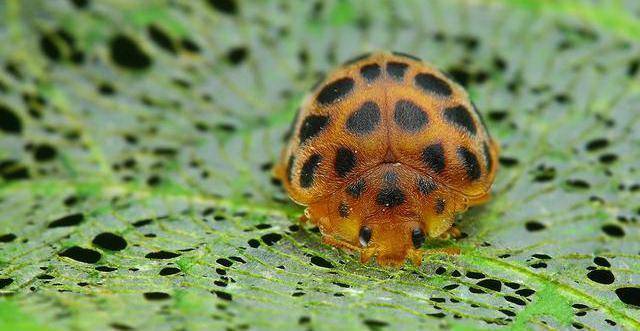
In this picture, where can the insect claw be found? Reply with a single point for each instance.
(366, 255)
(453, 232)
(415, 256)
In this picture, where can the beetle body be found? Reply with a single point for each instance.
(384, 153)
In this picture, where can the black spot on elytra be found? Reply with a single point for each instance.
(343, 210)
(370, 72)
(308, 171)
(533, 226)
(81, 254)
(161, 255)
(487, 156)
(396, 70)
(629, 295)
(460, 116)
(237, 55)
(613, 230)
(426, 185)
(470, 163)
(156, 296)
(335, 91)
(356, 59)
(439, 207)
(161, 38)
(356, 189)
(4, 282)
(126, 53)
(418, 237)
(312, 126)
(168, 271)
(290, 167)
(601, 276)
(433, 157)
(345, 161)
(110, 241)
(432, 84)
(271, 238)
(365, 119)
(409, 116)
(321, 262)
(44, 152)
(9, 121)
(408, 56)
(364, 236)
(7, 238)
(227, 7)
(390, 194)
(69, 220)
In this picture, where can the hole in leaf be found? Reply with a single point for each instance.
(81, 254)
(156, 296)
(613, 230)
(9, 121)
(321, 262)
(7, 238)
(515, 300)
(126, 53)
(106, 269)
(169, 271)
(69, 220)
(162, 255)
(223, 295)
(110, 241)
(228, 7)
(375, 325)
(4, 282)
(161, 38)
(601, 276)
(492, 284)
(601, 261)
(271, 238)
(533, 226)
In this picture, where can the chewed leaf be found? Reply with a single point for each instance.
(137, 141)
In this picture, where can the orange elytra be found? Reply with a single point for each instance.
(385, 152)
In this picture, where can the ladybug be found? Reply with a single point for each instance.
(385, 152)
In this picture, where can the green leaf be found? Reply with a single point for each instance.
(137, 141)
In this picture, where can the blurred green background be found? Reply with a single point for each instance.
(137, 140)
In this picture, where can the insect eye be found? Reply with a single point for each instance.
(365, 236)
(418, 237)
